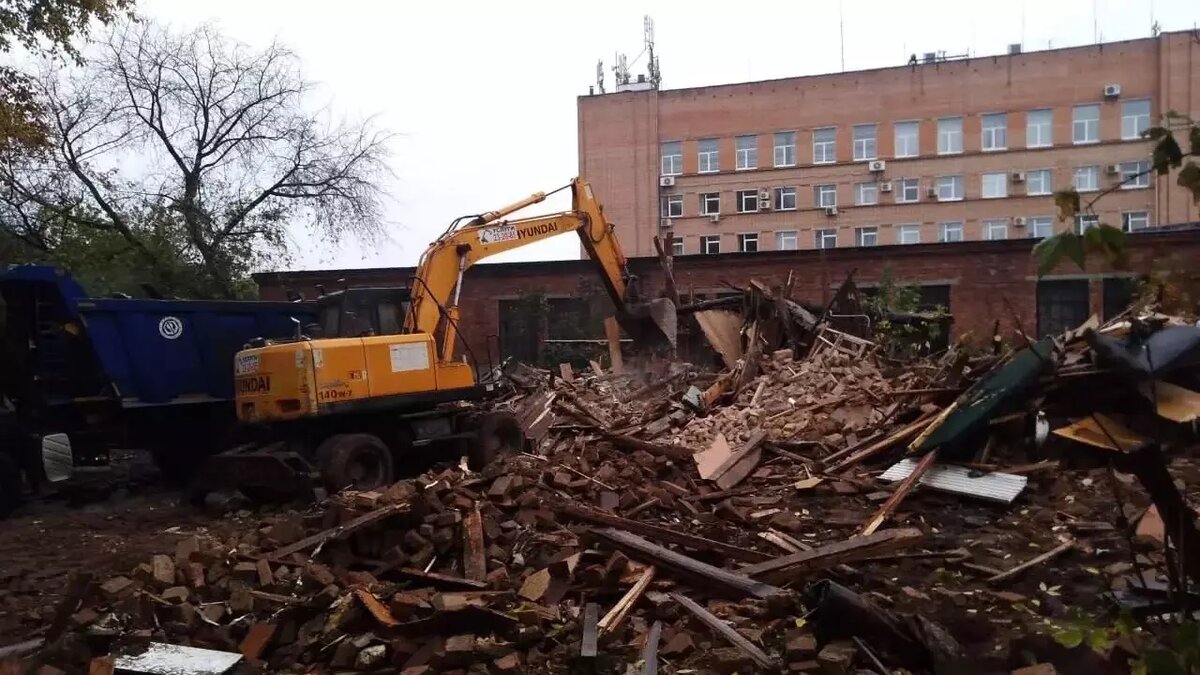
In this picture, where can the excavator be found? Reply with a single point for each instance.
(381, 375)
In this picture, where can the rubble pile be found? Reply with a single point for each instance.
(804, 510)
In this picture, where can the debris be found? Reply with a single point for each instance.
(166, 659)
(587, 648)
(997, 487)
(857, 548)
(906, 486)
(1032, 562)
(724, 630)
(615, 616)
(474, 562)
(650, 651)
(1101, 431)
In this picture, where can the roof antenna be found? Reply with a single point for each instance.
(842, 32)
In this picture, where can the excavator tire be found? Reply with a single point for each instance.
(497, 433)
(355, 461)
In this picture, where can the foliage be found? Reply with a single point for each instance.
(196, 152)
(890, 298)
(1176, 653)
(1105, 240)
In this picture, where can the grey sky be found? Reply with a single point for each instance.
(482, 94)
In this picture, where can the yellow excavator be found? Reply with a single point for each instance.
(381, 375)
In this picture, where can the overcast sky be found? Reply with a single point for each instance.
(482, 95)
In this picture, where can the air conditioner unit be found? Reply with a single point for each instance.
(1112, 169)
(1020, 221)
(885, 186)
(714, 218)
(1014, 48)
(831, 210)
(876, 165)
(931, 193)
(1112, 90)
(764, 204)
(764, 194)
(665, 223)
(1018, 176)
(666, 181)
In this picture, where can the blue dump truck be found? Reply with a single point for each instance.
(119, 372)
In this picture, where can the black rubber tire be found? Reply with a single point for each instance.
(10, 486)
(355, 461)
(497, 433)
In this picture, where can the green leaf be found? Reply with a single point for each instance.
(1167, 154)
(1162, 662)
(1189, 179)
(1155, 133)
(1067, 202)
(1050, 251)
(1100, 641)
(1069, 637)
(1109, 242)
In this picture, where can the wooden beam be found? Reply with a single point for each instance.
(906, 486)
(474, 560)
(650, 651)
(1032, 562)
(667, 534)
(726, 631)
(333, 533)
(830, 555)
(587, 646)
(905, 432)
(617, 614)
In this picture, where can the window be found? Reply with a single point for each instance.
(1041, 227)
(995, 185)
(710, 243)
(994, 132)
(785, 199)
(1039, 129)
(908, 234)
(908, 190)
(672, 206)
(1135, 118)
(1038, 182)
(1135, 220)
(866, 194)
(786, 240)
(1135, 175)
(864, 141)
(949, 135)
(785, 148)
(824, 145)
(710, 203)
(908, 139)
(949, 188)
(866, 236)
(1085, 124)
(676, 246)
(672, 158)
(747, 201)
(1087, 178)
(825, 196)
(825, 238)
(1085, 222)
(748, 242)
(710, 156)
(952, 231)
(1062, 304)
(747, 152)
(995, 229)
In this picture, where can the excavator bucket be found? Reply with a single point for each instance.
(651, 323)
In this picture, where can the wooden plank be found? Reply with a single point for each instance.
(567, 373)
(333, 533)
(1032, 562)
(617, 614)
(102, 665)
(751, 358)
(709, 461)
(612, 331)
(726, 631)
(722, 329)
(733, 584)
(897, 436)
(906, 486)
(745, 460)
(667, 534)
(1175, 403)
(591, 634)
(1099, 431)
(474, 560)
(650, 651)
(830, 555)
(435, 579)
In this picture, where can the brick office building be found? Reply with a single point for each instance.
(944, 150)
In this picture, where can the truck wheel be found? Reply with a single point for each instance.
(355, 461)
(498, 433)
(10, 486)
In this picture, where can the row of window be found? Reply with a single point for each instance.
(1039, 182)
(951, 231)
(1039, 133)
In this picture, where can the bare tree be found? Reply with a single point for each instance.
(197, 141)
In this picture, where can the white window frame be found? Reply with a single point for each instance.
(866, 194)
(1092, 170)
(1046, 189)
(902, 185)
(677, 246)
(672, 206)
(708, 161)
(997, 180)
(993, 226)
(784, 237)
(787, 149)
(1132, 125)
(782, 196)
(710, 203)
(1037, 223)
(903, 149)
(1127, 220)
(822, 236)
(671, 164)
(955, 183)
(944, 230)
(820, 192)
(867, 147)
(1085, 130)
(1139, 168)
(745, 237)
(747, 158)
(861, 234)
(950, 136)
(746, 201)
(903, 233)
(1091, 220)
(828, 153)
(1039, 133)
(993, 137)
(706, 239)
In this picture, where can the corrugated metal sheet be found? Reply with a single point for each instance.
(993, 487)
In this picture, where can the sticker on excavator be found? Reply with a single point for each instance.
(245, 364)
(334, 394)
(497, 234)
(409, 357)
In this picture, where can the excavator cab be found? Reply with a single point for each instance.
(360, 312)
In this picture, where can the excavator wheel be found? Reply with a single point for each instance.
(497, 433)
(355, 461)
